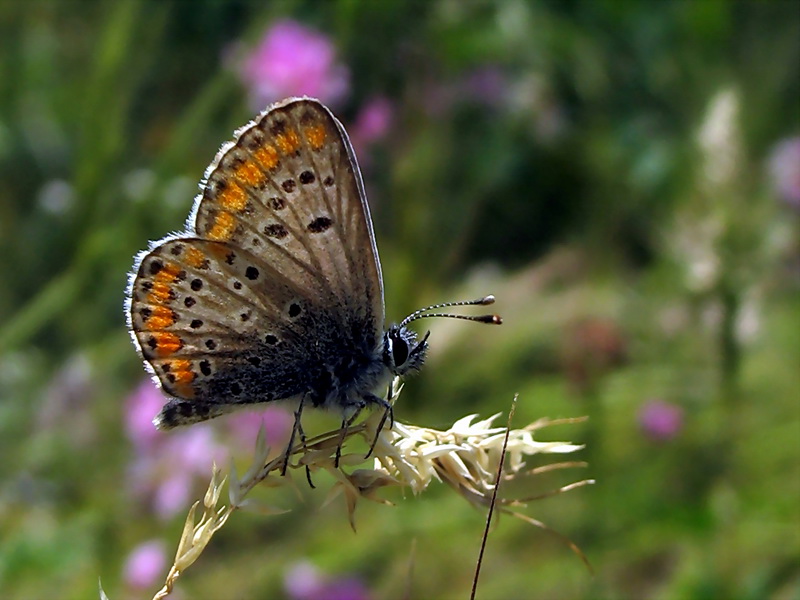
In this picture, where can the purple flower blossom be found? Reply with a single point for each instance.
(243, 427)
(372, 124)
(784, 167)
(374, 120)
(65, 402)
(293, 60)
(194, 448)
(145, 564)
(140, 408)
(661, 421)
(305, 582)
(166, 466)
(487, 85)
(172, 494)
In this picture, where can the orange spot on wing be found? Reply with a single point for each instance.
(159, 294)
(249, 173)
(161, 318)
(167, 343)
(315, 134)
(180, 365)
(183, 373)
(233, 197)
(288, 142)
(194, 258)
(267, 156)
(223, 226)
(168, 273)
(183, 378)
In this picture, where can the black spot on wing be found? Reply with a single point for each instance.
(319, 224)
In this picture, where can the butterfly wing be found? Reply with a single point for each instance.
(277, 291)
(289, 189)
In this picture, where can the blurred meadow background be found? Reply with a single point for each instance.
(624, 177)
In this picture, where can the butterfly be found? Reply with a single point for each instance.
(274, 291)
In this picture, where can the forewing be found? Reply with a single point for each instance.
(288, 190)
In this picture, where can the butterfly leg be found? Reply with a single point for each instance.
(387, 404)
(346, 423)
(301, 432)
(296, 428)
(388, 411)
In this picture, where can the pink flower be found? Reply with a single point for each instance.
(174, 470)
(172, 494)
(305, 582)
(193, 449)
(661, 420)
(784, 167)
(65, 402)
(372, 124)
(293, 60)
(487, 85)
(167, 467)
(145, 564)
(140, 408)
(374, 120)
(243, 427)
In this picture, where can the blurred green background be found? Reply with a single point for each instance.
(624, 177)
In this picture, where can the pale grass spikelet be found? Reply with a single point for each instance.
(468, 457)
(101, 591)
(195, 537)
(465, 456)
(698, 237)
(719, 138)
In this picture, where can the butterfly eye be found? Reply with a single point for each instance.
(399, 350)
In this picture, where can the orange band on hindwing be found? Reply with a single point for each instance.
(161, 289)
(160, 317)
(164, 343)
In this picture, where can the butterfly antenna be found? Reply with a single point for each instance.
(423, 313)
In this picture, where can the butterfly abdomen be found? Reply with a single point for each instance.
(176, 413)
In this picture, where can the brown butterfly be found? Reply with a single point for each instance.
(274, 291)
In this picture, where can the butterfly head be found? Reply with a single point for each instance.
(402, 353)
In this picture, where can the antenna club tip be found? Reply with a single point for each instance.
(490, 319)
(486, 300)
